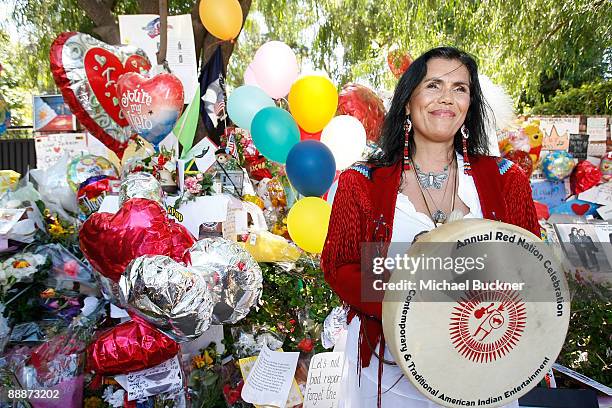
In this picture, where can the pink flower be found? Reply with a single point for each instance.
(71, 268)
(192, 185)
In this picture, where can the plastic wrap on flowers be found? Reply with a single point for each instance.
(172, 296)
(585, 176)
(111, 241)
(362, 103)
(83, 167)
(91, 193)
(130, 346)
(234, 275)
(557, 165)
(333, 326)
(141, 185)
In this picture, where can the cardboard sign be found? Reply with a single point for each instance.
(597, 129)
(578, 145)
(563, 126)
(555, 141)
(50, 147)
(551, 193)
(324, 377)
(143, 30)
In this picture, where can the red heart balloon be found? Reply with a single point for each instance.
(580, 209)
(86, 71)
(398, 62)
(111, 241)
(151, 105)
(130, 346)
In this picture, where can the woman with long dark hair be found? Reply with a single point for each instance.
(433, 169)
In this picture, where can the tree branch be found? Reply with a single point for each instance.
(102, 16)
(163, 31)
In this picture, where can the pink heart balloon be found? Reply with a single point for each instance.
(151, 105)
(86, 71)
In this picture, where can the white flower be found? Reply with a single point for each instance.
(21, 267)
(114, 399)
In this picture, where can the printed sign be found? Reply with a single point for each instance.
(52, 114)
(578, 145)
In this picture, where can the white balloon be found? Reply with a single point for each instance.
(249, 76)
(276, 68)
(346, 138)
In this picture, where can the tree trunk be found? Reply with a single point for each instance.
(205, 45)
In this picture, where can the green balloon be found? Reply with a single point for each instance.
(274, 133)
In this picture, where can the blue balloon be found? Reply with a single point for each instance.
(274, 133)
(311, 168)
(245, 102)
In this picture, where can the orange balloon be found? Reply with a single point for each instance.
(222, 18)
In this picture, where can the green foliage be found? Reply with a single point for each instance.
(588, 99)
(295, 302)
(587, 345)
(14, 84)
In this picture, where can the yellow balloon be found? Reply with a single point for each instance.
(307, 223)
(222, 18)
(313, 101)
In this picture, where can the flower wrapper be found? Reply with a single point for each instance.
(130, 346)
(111, 241)
(585, 176)
(173, 297)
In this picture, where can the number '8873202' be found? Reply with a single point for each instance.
(33, 394)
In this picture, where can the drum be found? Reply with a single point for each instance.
(476, 313)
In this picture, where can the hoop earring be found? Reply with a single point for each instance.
(467, 167)
(407, 129)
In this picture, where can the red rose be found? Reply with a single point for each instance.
(306, 345)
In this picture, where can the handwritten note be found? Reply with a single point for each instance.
(597, 129)
(550, 193)
(578, 145)
(554, 141)
(270, 379)
(601, 194)
(51, 147)
(165, 377)
(324, 377)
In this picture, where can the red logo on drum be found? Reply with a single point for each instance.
(486, 325)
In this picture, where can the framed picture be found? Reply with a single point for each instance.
(587, 246)
(52, 114)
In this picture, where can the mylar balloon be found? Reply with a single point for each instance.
(313, 101)
(399, 62)
(311, 168)
(151, 105)
(307, 223)
(274, 133)
(111, 241)
(86, 71)
(221, 18)
(83, 167)
(244, 103)
(275, 67)
(521, 158)
(346, 138)
(557, 165)
(362, 103)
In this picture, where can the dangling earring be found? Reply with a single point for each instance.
(467, 168)
(407, 129)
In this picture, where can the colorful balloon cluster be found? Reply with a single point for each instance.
(292, 137)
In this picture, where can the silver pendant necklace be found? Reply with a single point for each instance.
(431, 179)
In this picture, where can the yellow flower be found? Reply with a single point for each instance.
(47, 293)
(92, 402)
(199, 362)
(20, 264)
(207, 358)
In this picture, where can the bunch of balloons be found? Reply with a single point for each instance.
(308, 139)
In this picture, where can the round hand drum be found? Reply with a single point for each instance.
(479, 332)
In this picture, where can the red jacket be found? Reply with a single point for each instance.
(363, 210)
